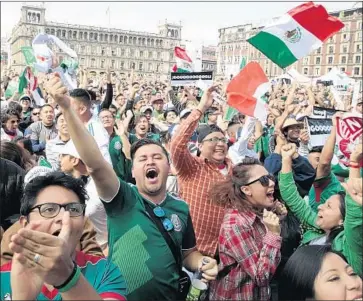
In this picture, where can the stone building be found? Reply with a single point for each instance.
(343, 50)
(209, 58)
(97, 48)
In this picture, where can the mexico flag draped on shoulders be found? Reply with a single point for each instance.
(246, 91)
(183, 61)
(296, 33)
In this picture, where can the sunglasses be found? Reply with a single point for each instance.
(264, 180)
(36, 113)
(159, 212)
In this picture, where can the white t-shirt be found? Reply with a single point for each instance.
(96, 213)
(101, 136)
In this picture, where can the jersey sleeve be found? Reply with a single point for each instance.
(189, 241)
(124, 200)
(110, 282)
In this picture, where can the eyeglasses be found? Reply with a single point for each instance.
(50, 210)
(159, 212)
(36, 113)
(216, 140)
(264, 180)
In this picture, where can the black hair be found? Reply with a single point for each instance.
(15, 106)
(7, 114)
(13, 152)
(143, 142)
(298, 276)
(92, 94)
(336, 230)
(56, 178)
(102, 110)
(83, 96)
(112, 107)
(27, 143)
(57, 116)
(316, 149)
(165, 137)
(46, 105)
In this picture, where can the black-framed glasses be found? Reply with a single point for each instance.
(50, 210)
(159, 212)
(264, 180)
(216, 140)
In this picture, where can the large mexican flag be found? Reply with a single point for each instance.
(183, 61)
(296, 33)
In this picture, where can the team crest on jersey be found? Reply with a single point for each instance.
(293, 36)
(7, 297)
(117, 145)
(176, 222)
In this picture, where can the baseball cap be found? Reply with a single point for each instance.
(145, 108)
(70, 149)
(185, 113)
(156, 99)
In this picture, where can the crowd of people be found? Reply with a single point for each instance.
(124, 187)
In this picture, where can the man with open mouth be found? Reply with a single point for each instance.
(141, 217)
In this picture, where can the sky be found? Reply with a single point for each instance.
(200, 20)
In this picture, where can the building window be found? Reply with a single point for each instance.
(317, 60)
(83, 49)
(113, 52)
(82, 61)
(103, 64)
(306, 61)
(132, 52)
(113, 64)
(122, 65)
(305, 71)
(331, 49)
(344, 60)
(140, 66)
(359, 48)
(63, 33)
(150, 54)
(317, 71)
(122, 52)
(159, 55)
(96, 36)
(93, 62)
(345, 49)
(330, 60)
(357, 59)
(150, 67)
(74, 34)
(356, 71)
(318, 51)
(141, 54)
(103, 51)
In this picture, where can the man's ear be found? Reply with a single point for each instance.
(75, 161)
(23, 221)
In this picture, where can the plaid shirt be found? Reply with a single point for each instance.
(245, 239)
(196, 176)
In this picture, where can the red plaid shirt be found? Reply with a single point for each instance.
(245, 239)
(196, 176)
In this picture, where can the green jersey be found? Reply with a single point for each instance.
(100, 273)
(323, 189)
(263, 143)
(121, 165)
(138, 248)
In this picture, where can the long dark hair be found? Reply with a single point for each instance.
(298, 276)
(336, 230)
(13, 152)
(228, 193)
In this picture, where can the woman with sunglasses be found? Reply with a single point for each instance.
(249, 239)
(10, 125)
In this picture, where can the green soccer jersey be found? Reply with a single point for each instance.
(133, 138)
(138, 248)
(323, 189)
(121, 165)
(100, 273)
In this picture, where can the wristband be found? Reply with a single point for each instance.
(354, 166)
(71, 281)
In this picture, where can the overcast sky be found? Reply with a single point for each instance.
(200, 20)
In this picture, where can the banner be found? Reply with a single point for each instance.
(322, 113)
(191, 78)
(319, 130)
(28, 55)
(349, 131)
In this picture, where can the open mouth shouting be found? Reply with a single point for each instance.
(270, 195)
(56, 233)
(152, 175)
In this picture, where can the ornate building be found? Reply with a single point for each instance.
(209, 58)
(343, 50)
(97, 48)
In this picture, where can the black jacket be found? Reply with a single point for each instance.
(11, 188)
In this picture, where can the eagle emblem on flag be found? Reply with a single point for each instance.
(293, 36)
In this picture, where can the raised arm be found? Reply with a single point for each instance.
(109, 92)
(102, 173)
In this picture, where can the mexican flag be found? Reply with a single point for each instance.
(246, 91)
(296, 33)
(183, 61)
(28, 80)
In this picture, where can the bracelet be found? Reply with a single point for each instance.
(354, 166)
(71, 281)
